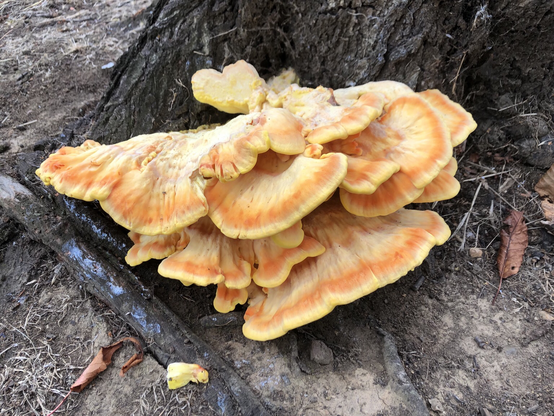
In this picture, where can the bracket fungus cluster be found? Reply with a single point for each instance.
(295, 206)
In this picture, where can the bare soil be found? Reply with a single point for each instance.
(464, 355)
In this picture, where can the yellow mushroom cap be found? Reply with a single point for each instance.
(212, 258)
(443, 187)
(281, 82)
(325, 120)
(181, 374)
(158, 247)
(459, 122)
(227, 299)
(390, 90)
(401, 153)
(273, 196)
(154, 184)
(291, 237)
(362, 255)
(237, 89)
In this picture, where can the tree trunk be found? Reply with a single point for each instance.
(486, 54)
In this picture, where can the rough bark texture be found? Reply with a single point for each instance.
(490, 53)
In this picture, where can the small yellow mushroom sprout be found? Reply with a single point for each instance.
(181, 374)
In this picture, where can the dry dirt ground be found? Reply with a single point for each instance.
(464, 355)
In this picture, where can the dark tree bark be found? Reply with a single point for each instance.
(486, 54)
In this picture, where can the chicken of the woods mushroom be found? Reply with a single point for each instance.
(294, 206)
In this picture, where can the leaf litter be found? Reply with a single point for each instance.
(102, 360)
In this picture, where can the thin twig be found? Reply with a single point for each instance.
(486, 176)
(465, 219)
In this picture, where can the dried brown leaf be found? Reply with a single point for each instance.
(103, 359)
(545, 188)
(513, 242)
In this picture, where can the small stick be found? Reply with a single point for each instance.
(466, 218)
(26, 124)
(486, 176)
(455, 80)
(418, 283)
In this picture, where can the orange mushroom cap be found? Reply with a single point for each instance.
(393, 194)
(158, 247)
(154, 184)
(274, 195)
(274, 129)
(459, 122)
(227, 299)
(443, 187)
(210, 258)
(362, 255)
(402, 152)
(275, 263)
(326, 120)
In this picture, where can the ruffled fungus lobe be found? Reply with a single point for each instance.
(458, 121)
(158, 247)
(210, 258)
(443, 187)
(276, 129)
(274, 195)
(227, 299)
(402, 152)
(326, 120)
(390, 90)
(154, 184)
(291, 237)
(237, 89)
(362, 255)
(251, 206)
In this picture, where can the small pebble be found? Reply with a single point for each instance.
(475, 252)
(484, 412)
(510, 351)
(321, 353)
(436, 405)
(479, 342)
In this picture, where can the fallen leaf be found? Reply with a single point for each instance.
(100, 363)
(513, 242)
(545, 188)
(103, 359)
